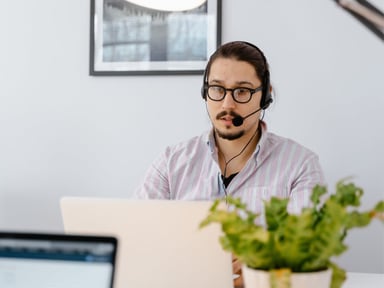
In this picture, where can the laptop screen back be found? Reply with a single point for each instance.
(56, 261)
(160, 243)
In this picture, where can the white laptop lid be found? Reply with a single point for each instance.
(37, 260)
(160, 243)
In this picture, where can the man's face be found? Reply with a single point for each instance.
(230, 73)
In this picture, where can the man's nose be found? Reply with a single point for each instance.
(228, 101)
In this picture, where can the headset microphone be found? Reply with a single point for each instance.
(238, 121)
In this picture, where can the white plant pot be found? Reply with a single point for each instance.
(261, 279)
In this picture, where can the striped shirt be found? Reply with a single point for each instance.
(278, 167)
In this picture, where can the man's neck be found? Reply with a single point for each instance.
(234, 154)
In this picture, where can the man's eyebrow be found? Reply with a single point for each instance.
(244, 83)
(239, 83)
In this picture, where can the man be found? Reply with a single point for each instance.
(238, 157)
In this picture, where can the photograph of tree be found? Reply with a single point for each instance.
(127, 36)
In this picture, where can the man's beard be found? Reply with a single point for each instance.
(229, 136)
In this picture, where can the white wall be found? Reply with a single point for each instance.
(63, 132)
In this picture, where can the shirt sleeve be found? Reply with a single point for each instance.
(310, 174)
(155, 184)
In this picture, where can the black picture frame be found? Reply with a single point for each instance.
(127, 39)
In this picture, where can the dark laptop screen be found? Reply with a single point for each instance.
(56, 261)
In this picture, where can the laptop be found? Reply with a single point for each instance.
(160, 243)
(38, 260)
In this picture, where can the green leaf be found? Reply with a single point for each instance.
(378, 211)
(338, 275)
(379, 208)
(275, 212)
(348, 194)
(292, 241)
(302, 242)
(280, 278)
(357, 219)
(317, 192)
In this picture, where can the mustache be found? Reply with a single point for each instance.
(225, 113)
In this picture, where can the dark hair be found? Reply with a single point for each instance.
(243, 51)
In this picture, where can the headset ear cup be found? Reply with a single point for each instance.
(204, 91)
(268, 101)
(267, 96)
(205, 84)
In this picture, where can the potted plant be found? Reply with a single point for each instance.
(293, 244)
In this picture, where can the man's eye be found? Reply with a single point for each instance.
(217, 89)
(242, 91)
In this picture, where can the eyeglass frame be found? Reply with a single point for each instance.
(252, 91)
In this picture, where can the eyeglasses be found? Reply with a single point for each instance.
(239, 94)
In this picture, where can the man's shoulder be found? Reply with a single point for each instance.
(271, 142)
(281, 142)
(194, 143)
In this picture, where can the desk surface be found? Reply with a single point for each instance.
(354, 280)
(366, 280)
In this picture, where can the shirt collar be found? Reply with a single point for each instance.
(210, 140)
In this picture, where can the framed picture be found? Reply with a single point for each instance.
(128, 39)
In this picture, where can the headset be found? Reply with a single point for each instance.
(266, 97)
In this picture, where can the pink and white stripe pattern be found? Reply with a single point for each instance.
(278, 167)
